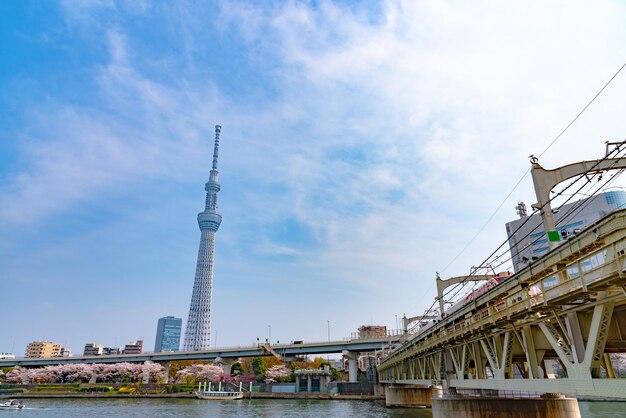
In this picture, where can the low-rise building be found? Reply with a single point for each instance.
(110, 351)
(135, 348)
(312, 380)
(93, 349)
(372, 331)
(43, 349)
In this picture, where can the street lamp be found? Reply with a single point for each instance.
(270, 334)
(328, 323)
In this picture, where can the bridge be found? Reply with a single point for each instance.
(228, 355)
(546, 331)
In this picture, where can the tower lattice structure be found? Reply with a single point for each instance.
(198, 331)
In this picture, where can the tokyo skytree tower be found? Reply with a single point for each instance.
(198, 332)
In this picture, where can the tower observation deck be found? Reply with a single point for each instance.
(198, 331)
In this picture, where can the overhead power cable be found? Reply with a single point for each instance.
(578, 206)
(480, 230)
(485, 262)
(583, 109)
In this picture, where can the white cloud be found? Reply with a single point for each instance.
(392, 137)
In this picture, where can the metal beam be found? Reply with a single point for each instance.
(545, 180)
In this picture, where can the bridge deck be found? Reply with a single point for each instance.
(357, 345)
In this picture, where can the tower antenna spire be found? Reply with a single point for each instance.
(218, 129)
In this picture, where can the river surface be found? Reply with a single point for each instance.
(56, 408)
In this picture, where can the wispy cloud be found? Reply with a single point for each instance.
(388, 133)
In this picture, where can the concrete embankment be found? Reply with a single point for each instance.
(255, 395)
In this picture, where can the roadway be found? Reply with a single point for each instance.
(286, 350)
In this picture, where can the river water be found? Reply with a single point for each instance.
(269, 408)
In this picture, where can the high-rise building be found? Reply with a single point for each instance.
(168, 334)
(43, 349)
(529, 242)
(198, 331)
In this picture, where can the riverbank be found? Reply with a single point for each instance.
(254, 395)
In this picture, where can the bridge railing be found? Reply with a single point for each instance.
(482, 393)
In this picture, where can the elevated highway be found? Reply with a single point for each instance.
(286, 350)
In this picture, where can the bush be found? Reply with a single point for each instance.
(90, 389)
(12, 391)
(127, 389)
(172, 388)
(179, 388)
(56, 388)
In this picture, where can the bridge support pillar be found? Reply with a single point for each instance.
(166, 371)
(548, 406)
(226, 363)
(352, 365)
(145, 377)
(410, 395)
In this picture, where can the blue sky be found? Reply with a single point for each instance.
(363, 145)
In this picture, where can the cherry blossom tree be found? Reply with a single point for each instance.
(154, 371)
(15, 375)
(200, 373)
(84, 373)
(277, 374)
(246, 377)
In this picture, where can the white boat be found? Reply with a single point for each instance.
(218, 394)
(12, 404)
(223, 396)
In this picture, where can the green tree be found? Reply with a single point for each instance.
(259, 367)
(337, 375)
(236, 369)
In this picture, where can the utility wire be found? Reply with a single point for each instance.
(487, 221)
(462, 282)
(528, 170)
(485, 262)
(592, 169)
(574, 210)
(583, 110)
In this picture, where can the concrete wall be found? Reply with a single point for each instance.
(408, 396)
(284, 388)
(503, 407)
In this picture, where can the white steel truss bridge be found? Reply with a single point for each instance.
(566, 312)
